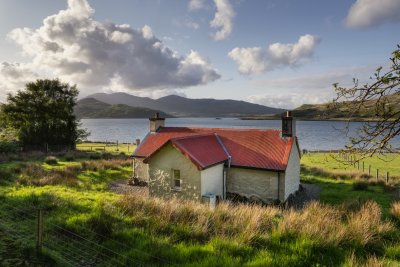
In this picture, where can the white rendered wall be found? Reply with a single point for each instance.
(212, 180)
(292, 174)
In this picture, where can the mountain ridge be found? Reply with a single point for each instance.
(179, 106)
(93, 108)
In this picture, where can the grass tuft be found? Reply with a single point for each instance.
(51, 160)
(360, 185)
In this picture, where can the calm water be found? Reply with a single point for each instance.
(313, 135)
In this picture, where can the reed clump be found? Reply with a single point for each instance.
(99, 165)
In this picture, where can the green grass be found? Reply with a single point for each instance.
(339, 192)
(156, 232)
(337, 180)
(331, 162)
(99, 147)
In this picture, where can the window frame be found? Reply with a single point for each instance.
(174, 179)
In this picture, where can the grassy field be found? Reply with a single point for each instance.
(121, 148)
(342, 183)
(333, 163)
(345, 229)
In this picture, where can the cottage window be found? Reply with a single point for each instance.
(177, 179)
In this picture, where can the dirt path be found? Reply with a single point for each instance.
(122, 187)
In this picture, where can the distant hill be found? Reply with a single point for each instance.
(340, 111)
(185, 107)
(343, 110)
(93, 108)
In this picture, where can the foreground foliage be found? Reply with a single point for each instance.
(156, 232)
(374, 137)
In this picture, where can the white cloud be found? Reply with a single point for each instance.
(288, 100)
(223, 20)
(75, 47)
(196, 5)
(292, 92)
(188, 22)
(14, 76)
(367, 13)
(250, 60)
(255, 60)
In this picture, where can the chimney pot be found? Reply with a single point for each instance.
(156, 122)
(288, 125)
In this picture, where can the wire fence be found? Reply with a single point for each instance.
(30, 225)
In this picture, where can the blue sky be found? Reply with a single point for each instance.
(278, 53)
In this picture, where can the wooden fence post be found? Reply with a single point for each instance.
(369, 170)
(387, 177)
(39, 232)
(377, 174)
(363, 166)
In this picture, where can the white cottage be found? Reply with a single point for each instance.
(189, 163)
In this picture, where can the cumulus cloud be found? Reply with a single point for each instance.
(196, 5)
(255, 60)
(14, 76)
(367, 13)
(223, 19)
(75, 47)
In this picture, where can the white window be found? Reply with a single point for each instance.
(176, 179)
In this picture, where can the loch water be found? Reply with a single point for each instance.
(312, 135)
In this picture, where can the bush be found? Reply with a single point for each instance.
(106, 155)
(51, 160)
(8, 147)
(69, 157)
(360, 185)
(95, 156)
(6, 175)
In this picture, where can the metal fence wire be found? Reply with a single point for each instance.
(68, 248)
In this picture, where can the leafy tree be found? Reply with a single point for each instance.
(43, 114)
(383, 92)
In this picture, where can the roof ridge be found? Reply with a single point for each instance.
(223, 129)
(223, 146)
(190, 136)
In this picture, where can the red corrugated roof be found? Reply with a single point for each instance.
(251, 148)
(203, 150)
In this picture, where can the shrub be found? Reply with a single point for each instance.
(8, 146)
(95, 156)
(360, 185)
(106, 155)
(69, 157)
(6, 175)
(51, 160)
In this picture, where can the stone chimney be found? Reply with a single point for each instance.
(156, 122)
(288, 125)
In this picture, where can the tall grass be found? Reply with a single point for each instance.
(324, 224)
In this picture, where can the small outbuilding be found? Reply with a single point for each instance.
(192, 163)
